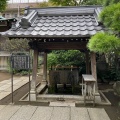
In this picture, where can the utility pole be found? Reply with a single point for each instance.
(18, 11)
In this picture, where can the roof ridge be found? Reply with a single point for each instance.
(26, 21)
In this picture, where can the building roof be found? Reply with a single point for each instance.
(5, 24)
(79, 21)
(2, 19)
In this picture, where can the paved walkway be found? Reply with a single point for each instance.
(15, 112)
(27, 112)
(5, 86)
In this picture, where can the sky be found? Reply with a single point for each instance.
(24, 1)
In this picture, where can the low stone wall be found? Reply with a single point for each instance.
(116, 87)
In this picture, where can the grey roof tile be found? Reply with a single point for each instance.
(34, 32)
(92, 32)
(75, 28)
(26, 32)
(91, 28)
(19, 33)
(74, 22)
(40, 24)
(37, 28)
(30, 28)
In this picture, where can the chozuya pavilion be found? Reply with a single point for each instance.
(57, 28)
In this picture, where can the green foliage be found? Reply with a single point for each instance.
(51, 90)
(3, 4)
(76, 2)
(110, 2)
(104, 43)
(65, 2)
(110, 16)
(65, 58)
(44, 4)
(92, 2)
(52, 60)
(15, 45)
(40, 59)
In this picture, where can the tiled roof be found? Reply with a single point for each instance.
(58, 22)
(6, 19)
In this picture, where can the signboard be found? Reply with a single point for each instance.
(20, 62)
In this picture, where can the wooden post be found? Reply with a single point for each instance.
(45, 68)
(93, 68)
(87, 63)
(34, 76)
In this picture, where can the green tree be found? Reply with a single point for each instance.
(45, 4)
(65, 2)
(65, 58)
(110, 17)
(3, 4)
(15, 45)
(110, 2)
(104, 43)
(109, 42)
(76, 2)
(92, 2)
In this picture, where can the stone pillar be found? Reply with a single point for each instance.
(87, 63)
(93, 68)
(34, 76)
(45, 68)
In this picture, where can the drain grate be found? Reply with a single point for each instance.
(60, 99)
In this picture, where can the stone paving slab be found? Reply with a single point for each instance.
(1, 84)
(8, 112)
(60, 113)
(42, 113)
(79, 114)
(98, 114)
(17, 112)
(21, 83)
(2, 106)
(14, 82)
(24, 113)
(5, 86)
(5, 81)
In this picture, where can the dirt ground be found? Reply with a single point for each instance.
(4, 76)
(113, 111)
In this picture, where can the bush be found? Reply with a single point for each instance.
(66, 58)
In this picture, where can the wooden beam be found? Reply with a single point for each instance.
(62, 46)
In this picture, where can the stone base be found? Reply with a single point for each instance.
(97, 97)
(33, 96)
(44, 82)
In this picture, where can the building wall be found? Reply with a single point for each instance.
(16, 9)
(4, 59)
